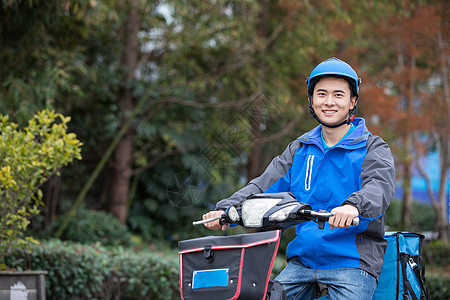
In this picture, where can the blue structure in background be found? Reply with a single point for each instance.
(430, 163)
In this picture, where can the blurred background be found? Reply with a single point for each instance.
(180, 103)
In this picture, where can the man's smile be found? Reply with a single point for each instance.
(329, 111)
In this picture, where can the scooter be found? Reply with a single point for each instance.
(239, 267)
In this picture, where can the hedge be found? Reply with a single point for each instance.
(77, 271)
(436, 256)
(438, 285)
(437, 253)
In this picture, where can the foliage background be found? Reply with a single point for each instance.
(219, 87)
(180, 103)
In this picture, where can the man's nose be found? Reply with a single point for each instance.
(329, 100)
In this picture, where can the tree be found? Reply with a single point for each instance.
(41, 63)
(204, 92)
(408, 57)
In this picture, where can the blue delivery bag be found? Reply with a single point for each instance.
(403, 272)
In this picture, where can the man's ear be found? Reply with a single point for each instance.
(353, 102)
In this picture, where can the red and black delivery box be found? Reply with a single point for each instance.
(227, 267)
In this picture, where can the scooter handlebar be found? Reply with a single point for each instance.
(325, 215)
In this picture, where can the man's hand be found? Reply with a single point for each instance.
(344, 216)
(215, 225)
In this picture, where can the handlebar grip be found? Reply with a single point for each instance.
(223, 220)
(205, 221)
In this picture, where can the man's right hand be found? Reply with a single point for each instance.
(215, 225)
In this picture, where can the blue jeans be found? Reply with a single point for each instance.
(301, 282)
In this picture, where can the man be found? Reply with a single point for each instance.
(341, 167)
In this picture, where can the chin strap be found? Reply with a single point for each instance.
(351, 116)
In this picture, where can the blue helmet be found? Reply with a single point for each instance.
(334, 67)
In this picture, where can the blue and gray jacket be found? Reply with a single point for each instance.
(359, 170)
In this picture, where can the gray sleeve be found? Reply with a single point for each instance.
(378, 174)
(277, 169)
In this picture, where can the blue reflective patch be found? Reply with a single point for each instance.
(210, 278)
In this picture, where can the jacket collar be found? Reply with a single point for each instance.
(355, 140)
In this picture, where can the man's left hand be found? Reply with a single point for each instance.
(344, 216)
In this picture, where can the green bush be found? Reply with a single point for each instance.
(436, 256)
(28, 157)
(278, 266)
(77, 271)
(90, 226)
(438, 286)
(436, 253)
(423, 216)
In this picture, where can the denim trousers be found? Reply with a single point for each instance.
(301, 282)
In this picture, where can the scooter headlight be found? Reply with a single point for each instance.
(282, 214)
(253, 210)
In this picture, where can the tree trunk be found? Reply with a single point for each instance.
(408, 95)
(121, 163)
(407, 195)
(255, 153)
(50, 190)
(442, 213)
(254, 164)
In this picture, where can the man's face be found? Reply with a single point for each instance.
(331, 100)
